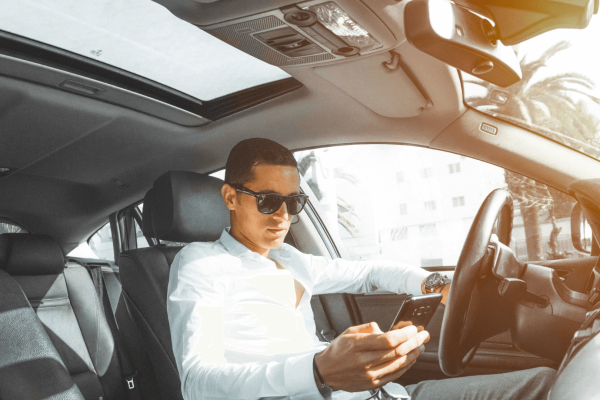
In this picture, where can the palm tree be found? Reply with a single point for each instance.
(558, 106)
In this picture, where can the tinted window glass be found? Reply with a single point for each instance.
(6, 227)
(101, 243)
(423, 218)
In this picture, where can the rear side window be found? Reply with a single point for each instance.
(101, 243)
(7, 227)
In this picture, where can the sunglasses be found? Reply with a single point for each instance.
(269, 203)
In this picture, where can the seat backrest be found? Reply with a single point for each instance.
(66, 303)
(29, 363)
(181, 207)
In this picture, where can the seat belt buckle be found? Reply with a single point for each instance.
(130, 381)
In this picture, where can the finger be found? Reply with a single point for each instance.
(391, 368)
(428, 337)
(371, 327)
(387, 340)
(395, 375)
(372, 358)
(412, 343)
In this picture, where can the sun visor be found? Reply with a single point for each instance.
(143, 38)
(379, 83)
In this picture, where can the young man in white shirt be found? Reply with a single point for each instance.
(240, 316)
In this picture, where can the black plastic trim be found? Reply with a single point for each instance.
(40, 53)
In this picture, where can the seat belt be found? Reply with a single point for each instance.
(324, 329)
(129, 373)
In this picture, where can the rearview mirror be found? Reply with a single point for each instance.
(581, 232)
(462, 39)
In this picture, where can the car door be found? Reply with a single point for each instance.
(415, 205)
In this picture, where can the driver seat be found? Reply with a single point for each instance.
(181, 207)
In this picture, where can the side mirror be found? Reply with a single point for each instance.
(462, 39)
(581, 232)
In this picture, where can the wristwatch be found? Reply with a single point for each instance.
(436, 281)
(325, 390)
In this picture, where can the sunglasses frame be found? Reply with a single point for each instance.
(286, 199)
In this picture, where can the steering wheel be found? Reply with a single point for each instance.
(468, 310)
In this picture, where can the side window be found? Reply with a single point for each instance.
(101, 244)
(140, 238)
(416, 205)
(7, 227)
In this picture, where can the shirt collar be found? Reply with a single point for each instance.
(234, 247)
(237, 249)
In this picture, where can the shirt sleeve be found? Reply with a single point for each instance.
(344, 276)
(195, 309)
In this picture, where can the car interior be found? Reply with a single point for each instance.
(117, 118)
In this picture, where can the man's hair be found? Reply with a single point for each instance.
(251, 152)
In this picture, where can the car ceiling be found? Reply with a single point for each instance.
(68, 148)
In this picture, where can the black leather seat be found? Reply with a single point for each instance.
(66, 303)
(181, 207)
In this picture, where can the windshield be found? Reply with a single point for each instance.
(141, 37)
(559, 95)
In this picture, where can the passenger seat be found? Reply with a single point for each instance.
(66, 303)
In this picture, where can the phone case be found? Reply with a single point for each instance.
(417, 311)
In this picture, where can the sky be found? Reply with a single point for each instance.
(142, 37)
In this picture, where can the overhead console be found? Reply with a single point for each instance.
(307, 33)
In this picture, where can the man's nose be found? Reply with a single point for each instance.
(282, 212)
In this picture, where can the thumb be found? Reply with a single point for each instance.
(371, 327)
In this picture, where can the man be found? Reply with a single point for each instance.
(240, 316)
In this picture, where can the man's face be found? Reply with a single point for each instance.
(262, 232)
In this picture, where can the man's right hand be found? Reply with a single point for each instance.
(363, 357)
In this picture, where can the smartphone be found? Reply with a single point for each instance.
(417, 311)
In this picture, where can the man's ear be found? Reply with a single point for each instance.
(229, 196)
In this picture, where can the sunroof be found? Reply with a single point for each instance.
(141, 37)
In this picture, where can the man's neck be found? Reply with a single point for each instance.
(248, 243)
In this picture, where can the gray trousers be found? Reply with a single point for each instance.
(530, 384)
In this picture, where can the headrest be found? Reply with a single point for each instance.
(147, 226)
(188, 207)
(30, 254)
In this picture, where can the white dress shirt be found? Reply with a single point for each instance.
(236, 331)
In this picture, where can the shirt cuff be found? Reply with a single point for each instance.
(299, 378)
(415, 280)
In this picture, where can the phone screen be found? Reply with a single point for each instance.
(417, 311)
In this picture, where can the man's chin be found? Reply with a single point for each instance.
(274, 240)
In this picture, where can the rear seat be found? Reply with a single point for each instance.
(30, 367)
(66, 303)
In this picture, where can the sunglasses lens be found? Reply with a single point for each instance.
(269, 203)
(295, 205)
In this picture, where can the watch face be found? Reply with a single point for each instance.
(433, 280)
